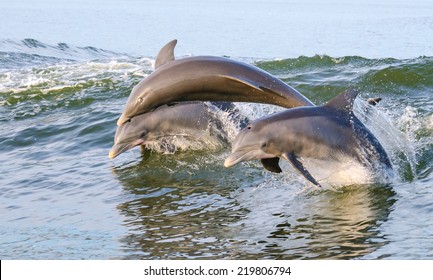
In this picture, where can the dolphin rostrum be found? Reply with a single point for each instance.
(207, 78)
(330, 131)
(189, 120)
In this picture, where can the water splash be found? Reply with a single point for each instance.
(54, 141)
(398, 146)
(38, 78)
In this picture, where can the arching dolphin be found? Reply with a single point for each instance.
(330, 131)
(207, 78)
(187, 119)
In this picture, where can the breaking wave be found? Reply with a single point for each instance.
(37, 79)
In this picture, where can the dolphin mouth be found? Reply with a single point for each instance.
(117, 149)
(236, 157)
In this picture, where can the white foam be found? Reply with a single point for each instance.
(341, 172)
(409, 120)
(255, 111)
(429, 122)
(210, 139)
(388, 130)
(71, 74)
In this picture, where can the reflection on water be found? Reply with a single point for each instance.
(183, 212)
(339, 225)
(179, 206)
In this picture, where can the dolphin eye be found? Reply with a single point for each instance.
(249, 127)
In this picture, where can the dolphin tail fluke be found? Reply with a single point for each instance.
(300, 167)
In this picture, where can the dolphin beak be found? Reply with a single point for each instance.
(236, 157)
(117, 149)
(233, 159)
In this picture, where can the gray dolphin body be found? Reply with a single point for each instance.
(322, 132)
(207, 78)
(189, 120)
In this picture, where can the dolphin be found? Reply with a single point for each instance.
(330, 131)
(187, 119)
(206, 78)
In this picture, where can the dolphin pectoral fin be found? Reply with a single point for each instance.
(253, 91)
(243, 82)
(271, 164)
(300, 167)
(252, 84)
(166, 54)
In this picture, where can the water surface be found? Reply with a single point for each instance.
(63, 86)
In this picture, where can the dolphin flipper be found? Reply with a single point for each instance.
(298, 166)
(287, 99)
(242, 82)
(271, 164)
(166, 54)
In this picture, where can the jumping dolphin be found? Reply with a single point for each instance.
(330, 131)
(207, 78)
(187, 119)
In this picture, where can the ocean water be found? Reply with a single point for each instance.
(66, 70)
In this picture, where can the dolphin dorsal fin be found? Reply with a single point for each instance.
(343, 101)
(166, 54)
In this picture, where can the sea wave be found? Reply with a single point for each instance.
(37, 79)
(28, 52)
(31, 83)
(58, 110)
(31, 66)
(321, 74)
